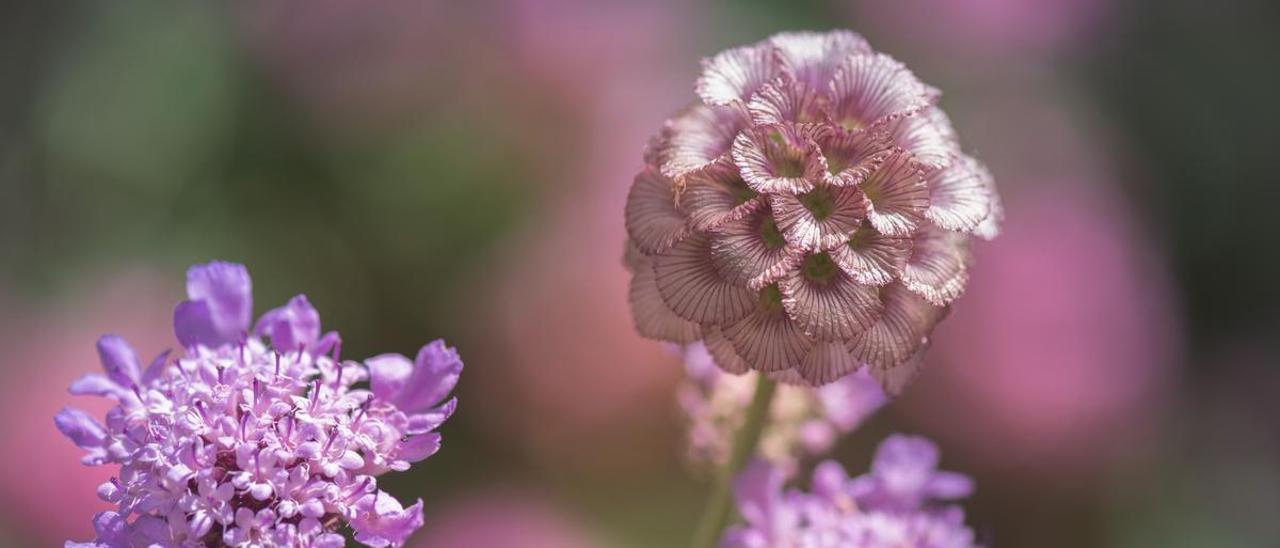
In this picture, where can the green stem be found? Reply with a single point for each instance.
(719, 505)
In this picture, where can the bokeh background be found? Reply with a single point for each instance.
(427, 168)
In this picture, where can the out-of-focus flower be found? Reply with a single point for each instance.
(902, 501)
(810, 215)
(803, 421)
(504, 518)
(247, 443)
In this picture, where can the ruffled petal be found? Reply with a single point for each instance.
(697, 136)
(652, 219)
(871, 257)
(752, 251)
(958, 195)
(896, 378)
(852, 155)
(820, 219)
(691, 285)
(939, 265)
(779, 158)
(900, 331)
(733, 75)
(119, 360)
(653, 318)
(898, 195)
(292, 326)
(228, 292)
(867, 89)
(722, 352)
(716, 195)
(812, 57)
(827, 362)
(785, 101)
(766, 338)
(927, 135)
(827, 303)
(990, 227)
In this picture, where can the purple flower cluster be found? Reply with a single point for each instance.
(245, 442)
(902, 501)
(803, 421)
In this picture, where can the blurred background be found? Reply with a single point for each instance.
(428, 169)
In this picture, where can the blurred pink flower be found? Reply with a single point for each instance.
(502, 518)
(43, 350)
(1004, 27)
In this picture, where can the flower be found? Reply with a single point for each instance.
(257, 438)
(810, 215)
(901, 502)
(802, 421)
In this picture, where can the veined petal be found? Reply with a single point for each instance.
(751, 251)
(851, 155)
(820, 219)
(827, 303)
(653, 221)
(697, 136)
(939, 265)
(722, 352)
(691, 285)
(958, 194)
(766, 338)
(895, 378)
(990, 227)
(899, 333)
(869, 88)
(898, 195)
(812, 57)
(734, 75)
(633, 259)
(779, 158)
(827, 362)
(926, 134)
(782, 100)
(653, 318)
(715, 195)
(871, 257)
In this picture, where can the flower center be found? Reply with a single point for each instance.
(786, 159)
(771, 298)
(770, 234)
(819, 268)
(819, 202)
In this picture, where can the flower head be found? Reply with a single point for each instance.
(811, 214)
(903, 501)
(261, 437)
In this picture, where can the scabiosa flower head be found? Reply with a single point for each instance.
(812, 213)
(903, 501)
(257, 438)
(803, 422)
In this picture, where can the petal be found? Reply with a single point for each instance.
(812, 57)
(898, 195)
(94, 384)
(388, 374)
(119, 360)
(82, 429)
(697, 136)
(852, 155)
(757, 489)
(778, 158)
(427, 421)
(716, 195)
(766, 338)
(733, 75)
(653, 221)
(827, 362)
(939, 265)
(989, 228)
(871, 257)
(722, 352)
(193, 324)
(927, 135)
(869, 88)
(694, 289)
(379, 520)
(894, 379)
(958, 195)
(435, 372)
(783, 100)
(228, 292)
(292, 326)
(752, 251)
(653, 318)
(822, 218)
(416, 448)
(827, 303)
(900, 331)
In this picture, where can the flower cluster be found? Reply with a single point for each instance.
(244, 442)
(812, 213)
(902, 501)
(802, 422)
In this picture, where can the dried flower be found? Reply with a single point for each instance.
(900, 502)
(810, 215)
(246, 442)
(803, 421)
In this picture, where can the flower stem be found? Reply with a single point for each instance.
(719, 505)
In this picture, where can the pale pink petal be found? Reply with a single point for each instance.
(812, 57)
(822, 218)
(786, 101)
(694, 289)
(766, 338)
(959, 194)
(990, 227)
(896, 378)
(900, 332)
(716, 195)
(871, 257)
(779, 158)
(851, 155)
(653, 318)
(870, 88)
(826, 302)
(722, 352)
(734, 75)
(927, 135)
(696, 137)
(752, 252)
(939, 265)
(652, 219)
(826, 362)
(634, 259)
(898, 195)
